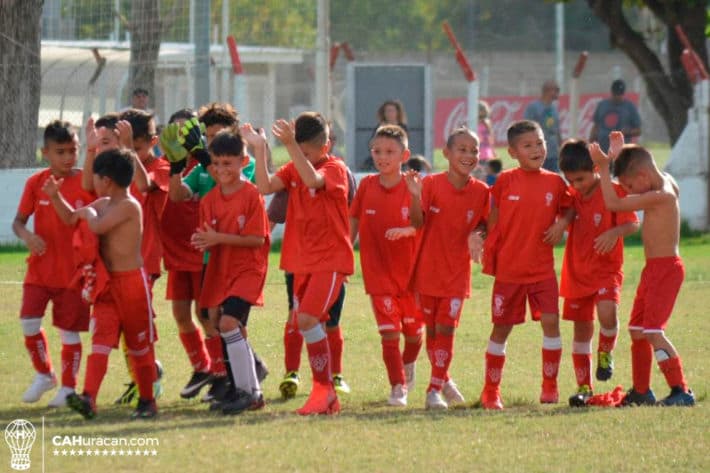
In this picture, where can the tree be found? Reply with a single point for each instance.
(20, 80)
(146, 28)
(668, 88)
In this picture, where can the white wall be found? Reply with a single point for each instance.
(12, 182)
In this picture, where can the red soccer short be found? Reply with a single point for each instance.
(582, 309)
(183, 285)
(124, 306)
(508, 301)
(397, 314)
(440, 310)
(655, 297)
(69, 311)
(315, 293)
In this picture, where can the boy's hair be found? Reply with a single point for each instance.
(394, 132)
(141, 122)
(630, 159)
(462, 130)
(117, 165)
(495, 165)
(574, 156)
(520, 128)
(108, 121)
(182, 114)
(312, 128)
(216, 113)
(59, 131)
(140, 91)
(418, 163)
(226, 143)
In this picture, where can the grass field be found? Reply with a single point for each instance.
(368, 435)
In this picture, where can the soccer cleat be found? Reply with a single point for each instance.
(146, 409)
(219, 390)
(635, 398)
(237, 402)
(490, 398)
(678, 397)
(605, 365)
(199, 380)
(549, 394)
(82, 404)
(452, 394)
(40, 385)
(434, 401)
(262, 371)
(322, 400)
(398, 396)
(60, 399)
(289, 385)
(340, 385)
(410, 374)
(581, 397)
(129, 396)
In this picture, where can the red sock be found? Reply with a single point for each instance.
(319, 358)
(550, 364)
(144, 367)
(293, 345)
(672, 369)
(443, 352)
(393, 361)
(411, 351)
(430, 341)
(494, 369)
(194, 346)
(71, 358)
(37, 347)
(641, 363)
(335, 343)
(214, 348)
(582, 368)
(607, 343)
(96, 365)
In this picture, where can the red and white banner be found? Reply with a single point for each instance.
(452, 112)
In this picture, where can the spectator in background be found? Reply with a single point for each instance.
(615, 114)
(418, 163)
(139, 100)
(391, 112)
(544, 112)
(493, 168)
(485, 133)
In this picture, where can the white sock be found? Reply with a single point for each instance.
(241, 361)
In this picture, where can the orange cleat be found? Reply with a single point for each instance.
(490, 398)
(322, 400)
(549, 394)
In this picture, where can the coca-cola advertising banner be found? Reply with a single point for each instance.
(452, 112)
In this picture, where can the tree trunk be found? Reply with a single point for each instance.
(145, 27)
(670, 92)
(20, 81)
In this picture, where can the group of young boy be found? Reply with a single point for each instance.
(99, 236)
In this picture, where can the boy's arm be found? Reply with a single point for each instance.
(34, 242)
(92, 141)
(606, 241)
(354, 228)
(554, 234)
(177, 190)
(206, 237)
(414, 185)
(285, 132)
(125, 137)
(66, 212)
(266, 183)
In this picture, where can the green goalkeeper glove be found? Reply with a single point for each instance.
(192, 138)
(175, 153)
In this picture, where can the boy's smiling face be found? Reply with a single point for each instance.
(388, 155)
(463, 154)
(529, 149)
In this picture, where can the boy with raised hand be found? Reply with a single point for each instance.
(450, 210)
(318, 217)
(380, 214)
(50, 267)
(592, 267)
(235, 229)
(656, 193)
(124, 305)
(522, 231)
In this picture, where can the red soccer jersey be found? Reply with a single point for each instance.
(317, 223)
(443, 263)
(235, 270)
(153, 203)
(528, 203)
(180, 219)
(386, 264)
(584, 271)
(55, 268)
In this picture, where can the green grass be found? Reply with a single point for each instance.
(368, 435)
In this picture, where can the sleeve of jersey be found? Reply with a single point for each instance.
(356, 204)
(624, 217)
(285, 173)
(256, 223)
(27, 201)
(336, 179)
(192, 179)
(160, 175)
(566, 200)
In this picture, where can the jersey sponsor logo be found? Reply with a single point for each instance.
(435, 210)
(597, 219)
(440, 357)
(574, 306)
(454, 307)
(550, 369)
(498, 301)
(469, 216)
(43, 202)
(513, 197)
(370, 211)
(548, 199)
(319, 362)
(241, 220)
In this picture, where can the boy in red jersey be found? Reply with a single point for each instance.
(380, 214)
(450, 209)
(522, 231)
(656, 193)
(50, 267)
(318, 216)
(124, 305)
(591, 269)
(235, 230)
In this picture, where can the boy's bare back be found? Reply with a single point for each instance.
(120, 243)
(661, 222)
